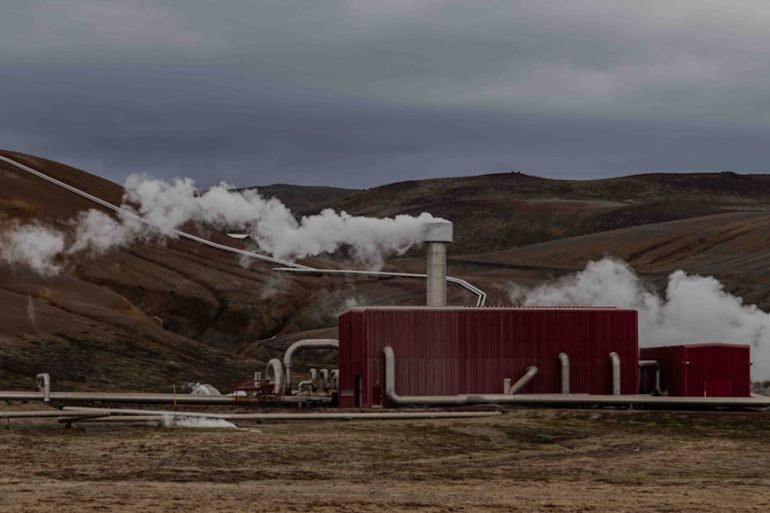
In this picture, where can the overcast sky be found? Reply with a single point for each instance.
(360, 93)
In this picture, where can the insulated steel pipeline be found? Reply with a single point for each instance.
(559, 399)
(148, 398)
(443, 400)
(95, 412)
(564, 366)
(132, 215)
(286, 265)
(481, 296)
(308, 343)
(274, 373)
(615, 364)
(524, 380)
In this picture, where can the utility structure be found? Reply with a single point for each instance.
(446, 355)
(439, 355)
(436, 235)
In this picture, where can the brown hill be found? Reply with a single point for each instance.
(733, 247)
(148, 316)
(501, 211)
(303, 199)
(151, 315)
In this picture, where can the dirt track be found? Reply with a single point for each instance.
(528, 460)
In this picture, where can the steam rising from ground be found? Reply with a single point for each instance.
(33, 245)
(168, 206)
(197, 422)
(695, 309)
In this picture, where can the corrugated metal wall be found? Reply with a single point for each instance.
(471, 350)
(697, 370)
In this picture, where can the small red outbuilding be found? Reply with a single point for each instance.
(447, 351)
(700, 370)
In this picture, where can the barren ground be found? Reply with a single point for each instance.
(526, 460)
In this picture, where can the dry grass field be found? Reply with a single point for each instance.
(526, 460)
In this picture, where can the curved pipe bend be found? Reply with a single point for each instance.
(274, 373)
(307, 343)
(43, 383)
(654, 364)
(615, 362)
(481, 296)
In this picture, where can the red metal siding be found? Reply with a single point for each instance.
(468, 350)
(673, 371)
(351, 327)
(713, 370)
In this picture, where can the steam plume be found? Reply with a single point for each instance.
(169, 205)
(270, 223)
(197, 422)
(695, 308)
(32, 245)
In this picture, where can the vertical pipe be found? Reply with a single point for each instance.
(507, 386)
(334, 376)
(274, 373)
(615, 360)
(323, 379)
(436, 271)
(564, 362)
(436, 235)
(43, 382)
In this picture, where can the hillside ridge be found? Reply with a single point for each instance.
(150, 315)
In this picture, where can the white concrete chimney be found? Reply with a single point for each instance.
(436, 236)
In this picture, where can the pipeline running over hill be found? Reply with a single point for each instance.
(694, 309)
(36, 245)
(155, 209)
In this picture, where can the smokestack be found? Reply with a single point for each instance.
(436, 236)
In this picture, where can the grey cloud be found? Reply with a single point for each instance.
(362, 93)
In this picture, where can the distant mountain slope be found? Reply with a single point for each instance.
(733, 247)
(500, 211)
(304, 198)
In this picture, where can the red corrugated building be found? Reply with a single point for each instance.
(700, 370)
(447, 351)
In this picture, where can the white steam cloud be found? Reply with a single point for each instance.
(270, 223)
(695, 309)
(32, 245)
(197, 422)
(170, 205)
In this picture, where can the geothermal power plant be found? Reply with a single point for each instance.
(440, 356)
(451, 356)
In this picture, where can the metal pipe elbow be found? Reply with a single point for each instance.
(274, 373)
(615, 362)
